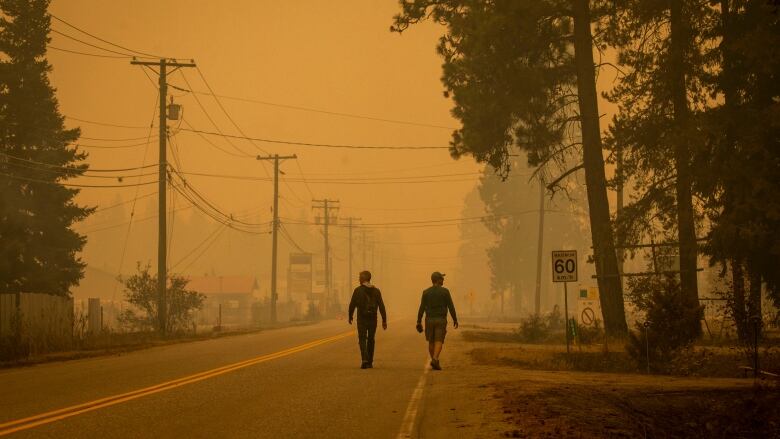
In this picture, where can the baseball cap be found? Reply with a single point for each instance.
(436, 275)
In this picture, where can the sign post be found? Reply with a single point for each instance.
(564, 270)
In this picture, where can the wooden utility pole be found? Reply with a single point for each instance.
(326, 205)
(275, 228)
(350, 225)
(540, 245)
(162, 252)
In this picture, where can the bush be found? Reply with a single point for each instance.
(667, 330)
(141, 292)
(590, 334)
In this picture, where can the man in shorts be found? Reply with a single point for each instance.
(435, 303)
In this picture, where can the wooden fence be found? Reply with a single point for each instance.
(37, 322)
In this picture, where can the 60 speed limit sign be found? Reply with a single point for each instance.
(564, 265)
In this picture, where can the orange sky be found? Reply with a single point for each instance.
(336, 56)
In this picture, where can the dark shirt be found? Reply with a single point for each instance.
(366, 299)
(435, 302)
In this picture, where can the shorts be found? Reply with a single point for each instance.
(435, 330)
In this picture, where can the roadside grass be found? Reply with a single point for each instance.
(509, 348)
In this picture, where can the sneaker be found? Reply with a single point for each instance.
(370, 366)
(435, 365)
(364, 365)
(433, 362)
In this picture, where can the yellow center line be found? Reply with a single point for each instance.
(56, 415)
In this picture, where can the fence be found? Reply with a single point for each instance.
(35, 322)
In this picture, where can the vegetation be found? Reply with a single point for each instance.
(521, 76)
(39, 248)
(141, 291)
(669, 326)
(696, 137)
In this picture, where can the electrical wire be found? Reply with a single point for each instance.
(126, 55)
(76, 52)
(33, 180)
(213, 123)
(222, 107)
(106, 124)
(112, 206)
(320, 111)
(49, 166)
(103, 40)
(220, 227)
(311, 144)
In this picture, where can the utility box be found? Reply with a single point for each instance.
(173, 111)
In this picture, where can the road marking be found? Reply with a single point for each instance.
(67, 412)
(407, 426)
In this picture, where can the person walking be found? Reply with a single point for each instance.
(366, 299)
(435, 303)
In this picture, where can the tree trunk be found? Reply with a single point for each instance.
(754, 312)
(610, 289)
(737, 302)
(686, 228)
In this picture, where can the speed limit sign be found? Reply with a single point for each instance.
(564, 265)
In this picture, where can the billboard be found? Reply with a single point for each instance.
(299, 274)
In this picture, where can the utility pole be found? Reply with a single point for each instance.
(162, 252)
(350, 226)
(326, 205)
(619, 174)
(538, 296)
(275, 228)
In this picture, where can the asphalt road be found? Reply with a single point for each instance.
(293, 382)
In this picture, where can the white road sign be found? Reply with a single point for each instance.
(564, 268)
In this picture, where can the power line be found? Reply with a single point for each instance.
(106, 124)
(65, 168)
(101, 39)
(213, 123)
(126, 55)
(320, 111)
(323, 145)
(33, 180)
(76, 52)
(216, 99)
(112, 206)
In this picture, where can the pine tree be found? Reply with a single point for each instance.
(521, 74)
(38, 248)
(742, 155)
(663, 48)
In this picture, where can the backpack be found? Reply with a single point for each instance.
(369, 301)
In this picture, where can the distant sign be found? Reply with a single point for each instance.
(299, 274)
(564, 265)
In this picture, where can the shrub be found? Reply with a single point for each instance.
(667, 329)
(141, 292)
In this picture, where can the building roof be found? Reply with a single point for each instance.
(211, 285)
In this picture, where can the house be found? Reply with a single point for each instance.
(231, 295)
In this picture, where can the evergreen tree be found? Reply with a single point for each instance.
(38, 248)
(521, 74)
(742, 155)
(663, 48)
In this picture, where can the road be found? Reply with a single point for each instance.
(300, 381)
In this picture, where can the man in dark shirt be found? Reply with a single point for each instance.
(367, 299)
(435, 303)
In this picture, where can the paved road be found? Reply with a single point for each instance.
(315, 389)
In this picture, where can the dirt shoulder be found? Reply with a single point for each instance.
(488, 389)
